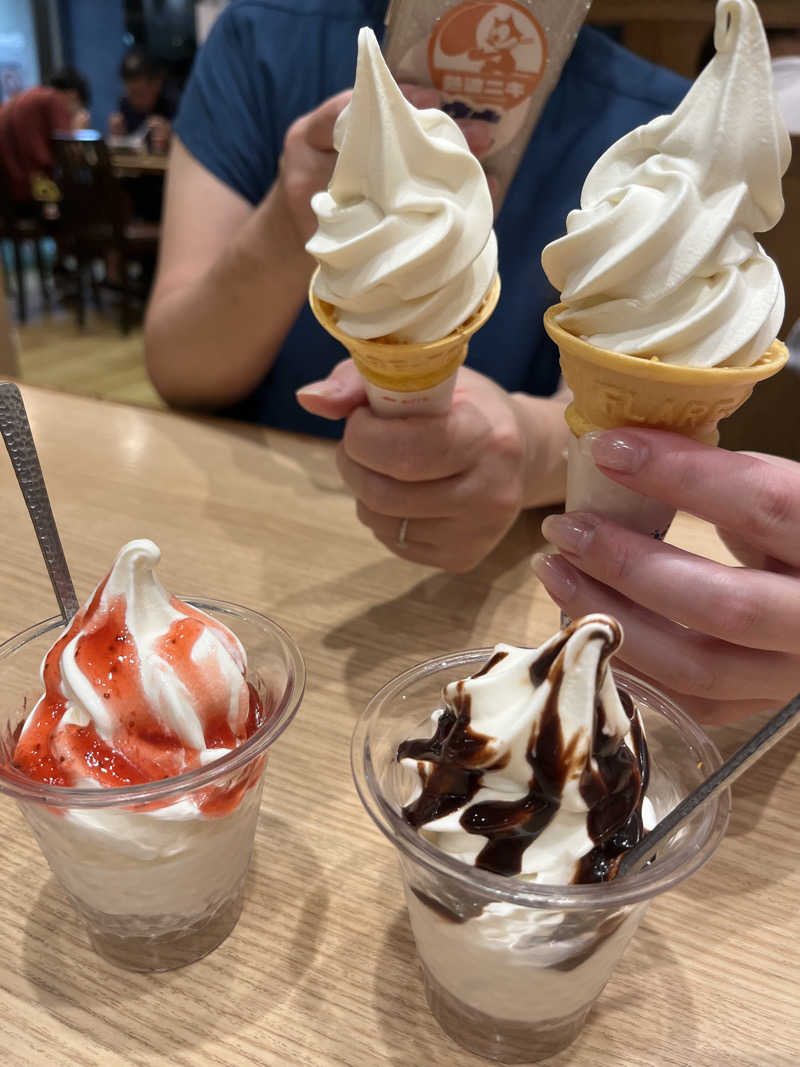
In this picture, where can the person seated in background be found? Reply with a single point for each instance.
(146, 113)
(27, 124)
(75, 87)
(149, 103)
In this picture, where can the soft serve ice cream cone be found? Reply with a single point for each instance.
(669, 306)
(406, 251)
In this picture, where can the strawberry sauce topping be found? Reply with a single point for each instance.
(140, 745)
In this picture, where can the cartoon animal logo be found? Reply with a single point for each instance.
(497, 52)
(489, 53)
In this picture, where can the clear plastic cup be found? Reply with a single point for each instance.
(512, 969)
(158, 884)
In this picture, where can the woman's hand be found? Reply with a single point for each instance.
(723, 641)
(438, 489)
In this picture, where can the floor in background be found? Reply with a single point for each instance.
(97, 361)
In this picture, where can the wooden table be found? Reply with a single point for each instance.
(321, 969)
(131, 164)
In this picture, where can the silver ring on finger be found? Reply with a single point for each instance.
(402, 530)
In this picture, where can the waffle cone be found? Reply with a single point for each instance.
(400, 366)
(611, 389)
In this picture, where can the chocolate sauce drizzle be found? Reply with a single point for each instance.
(453, 751)
(452, 764)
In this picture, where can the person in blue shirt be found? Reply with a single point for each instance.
(228, 325)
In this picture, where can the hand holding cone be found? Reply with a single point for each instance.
(612, 390)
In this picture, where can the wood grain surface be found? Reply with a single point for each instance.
(321, 969)
(783, 13)
(128, 164)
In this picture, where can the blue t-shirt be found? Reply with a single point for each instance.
(266, 62)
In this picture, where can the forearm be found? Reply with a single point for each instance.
(546, 433)
(211, 340)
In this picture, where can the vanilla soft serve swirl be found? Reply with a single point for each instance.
(661, 260)
(139, 687)
(405, 242)
(538, 766)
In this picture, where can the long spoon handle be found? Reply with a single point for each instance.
(19, 441)
(761, 742)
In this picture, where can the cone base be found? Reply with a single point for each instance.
(612, 389)
(401, 367)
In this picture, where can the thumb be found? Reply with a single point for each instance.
(336, 396)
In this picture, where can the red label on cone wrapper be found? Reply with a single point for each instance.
(389, 404)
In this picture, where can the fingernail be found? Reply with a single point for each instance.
(556, 575)
(616, 451)
(572, 532)
(326, 388)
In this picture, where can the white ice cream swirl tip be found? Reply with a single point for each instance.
(404, 243)
(661, 259)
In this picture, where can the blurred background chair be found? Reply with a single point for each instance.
(104, 247)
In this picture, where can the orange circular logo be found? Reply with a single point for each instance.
(492, 54)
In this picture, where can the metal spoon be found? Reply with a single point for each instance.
(19, 441)
(745, 757)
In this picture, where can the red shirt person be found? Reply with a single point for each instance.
(27, 124)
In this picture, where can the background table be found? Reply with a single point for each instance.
(130, 164)
(321, 969)
(672, 32)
